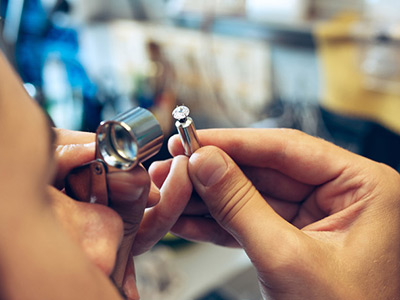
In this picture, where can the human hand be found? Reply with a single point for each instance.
(175, 195)
(317, 221)
(39, 258)
(98, 229)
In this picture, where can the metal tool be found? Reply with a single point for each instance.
(121, 143)
(186, 130)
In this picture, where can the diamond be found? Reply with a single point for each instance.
(181, 112)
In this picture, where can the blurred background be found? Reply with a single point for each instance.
(328, 68)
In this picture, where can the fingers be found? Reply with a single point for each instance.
(154, 195)
(158, 220)
(128, 192)
(203, 229)
(196, 207)
(69, 157)
(290, 152)
(276, 185)
(68, 137)
(159, 171)
(237, 206)
(73, 149)
(129, 285)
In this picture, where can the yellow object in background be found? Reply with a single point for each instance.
(345, 91)
(170, 237)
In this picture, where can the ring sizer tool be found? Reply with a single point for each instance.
(186, 129)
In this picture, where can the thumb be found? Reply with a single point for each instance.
(71, 156)
(237, 206)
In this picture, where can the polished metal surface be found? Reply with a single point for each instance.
(186, 130)
(128, 139)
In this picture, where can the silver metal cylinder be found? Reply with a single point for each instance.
(128, 139)
(188, 135)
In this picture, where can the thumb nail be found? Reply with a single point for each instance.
(212, 168)
(129, 287)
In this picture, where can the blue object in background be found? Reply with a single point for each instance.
(40, 39)
(3, 6)
(29, 47)
(63, 42)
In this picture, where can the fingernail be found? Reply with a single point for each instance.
(136, 193)
(130, 287)
(211, 170)
(90, 145)
(121, 186)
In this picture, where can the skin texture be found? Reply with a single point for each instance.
(317, 221)
(52, 247)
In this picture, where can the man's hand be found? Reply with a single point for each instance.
(318, 222)
(98, 229)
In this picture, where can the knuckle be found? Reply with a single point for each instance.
(234, 200)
